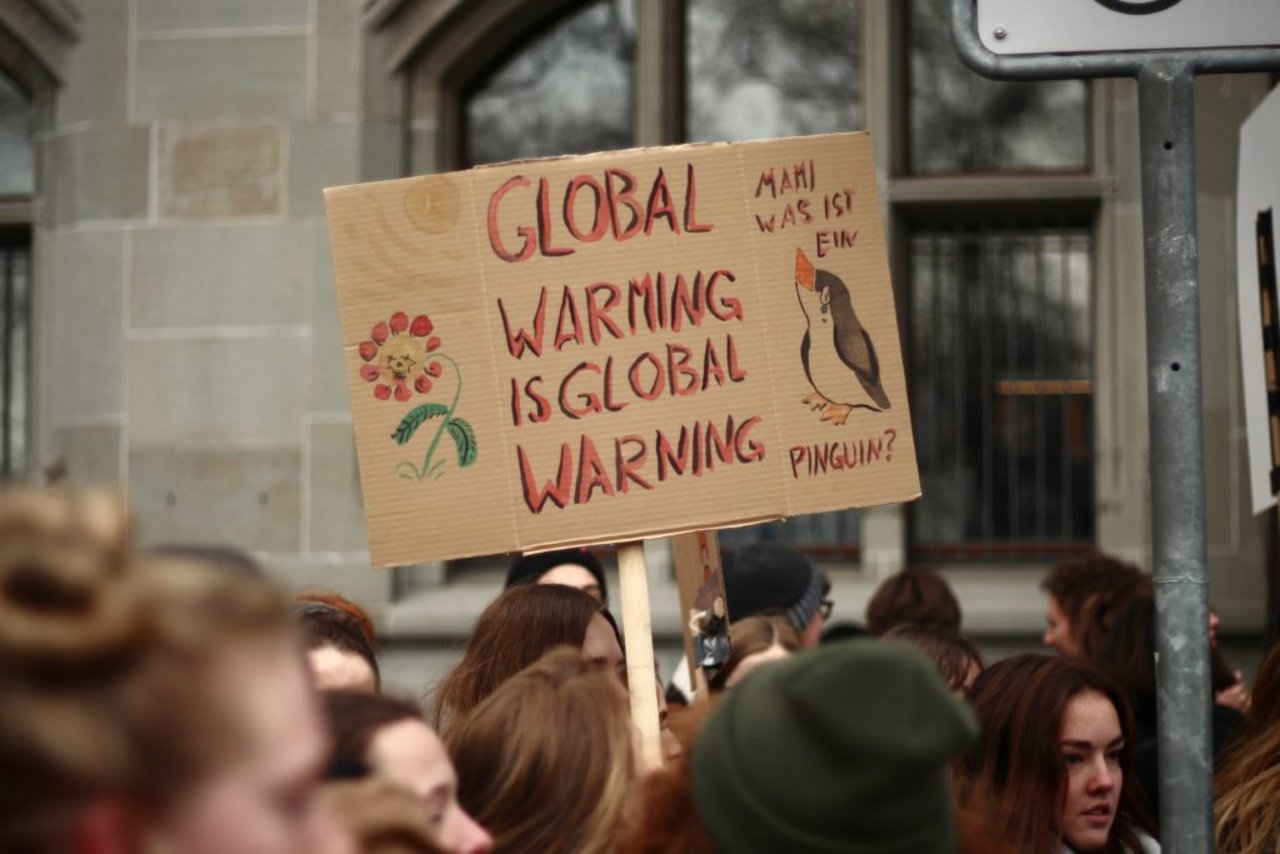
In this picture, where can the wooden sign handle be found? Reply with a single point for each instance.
(641, 676)
(701, 585)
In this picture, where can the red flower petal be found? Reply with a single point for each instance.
(380, 333)
(382, 392)
(402, 392)
(435, 369)
(421, 326)
(369, 373)
(368, 351)
(422, 383)
(399, 322)
(433, 344)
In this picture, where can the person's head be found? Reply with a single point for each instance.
(1264, 712)
(1076, 585)
(145, 703)
(916, 596)
(830, 750)
(958, 660)
(513, 632)
(339, 653)
(348, 607)
(755, 642)
(546, 761)
(1126, 654)
(384, 816)
(769, 578)
(570, 567)
(1052, 761)
(389, 736)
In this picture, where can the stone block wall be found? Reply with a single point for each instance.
(188, 336)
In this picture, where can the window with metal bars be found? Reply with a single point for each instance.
(15, 339)
(1001, 387)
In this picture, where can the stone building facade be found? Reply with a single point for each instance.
(184, 340)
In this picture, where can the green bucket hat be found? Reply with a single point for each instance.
(842, 749)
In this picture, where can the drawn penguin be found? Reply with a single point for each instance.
(838, 355)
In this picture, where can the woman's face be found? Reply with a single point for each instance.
(408, 752)
(1091, 743)
(1057, 633)
(262, 800)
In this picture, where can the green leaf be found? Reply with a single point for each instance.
(411, 422)
(465, 438)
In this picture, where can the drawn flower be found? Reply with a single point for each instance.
(397, 357)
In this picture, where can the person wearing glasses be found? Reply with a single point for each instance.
(770, 579)
(767, 579)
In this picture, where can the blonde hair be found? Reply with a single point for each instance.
(1247, 809)
(544, 763)
(101, 660)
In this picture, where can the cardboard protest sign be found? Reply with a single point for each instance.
(621, 345)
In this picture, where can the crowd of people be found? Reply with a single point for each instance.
(177, 700)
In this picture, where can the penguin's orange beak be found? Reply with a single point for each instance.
(804, 271)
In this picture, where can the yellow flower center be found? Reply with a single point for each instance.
(402, 356)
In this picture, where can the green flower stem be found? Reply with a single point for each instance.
(444, 422)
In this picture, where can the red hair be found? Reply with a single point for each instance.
(346, 606)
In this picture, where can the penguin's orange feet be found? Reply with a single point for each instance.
(815, 402)
(837, 413)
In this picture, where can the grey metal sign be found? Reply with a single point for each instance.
(1010, 27)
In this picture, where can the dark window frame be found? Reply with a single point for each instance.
(1081, 214)
(15, 248)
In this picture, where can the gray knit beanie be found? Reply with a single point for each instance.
(764, 578)
(840, 749)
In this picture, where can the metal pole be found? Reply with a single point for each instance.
(1167, 124)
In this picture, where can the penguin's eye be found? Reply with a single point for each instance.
(826, 296)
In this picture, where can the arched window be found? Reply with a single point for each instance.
(758, 69)
(567, 91)
(17, 183)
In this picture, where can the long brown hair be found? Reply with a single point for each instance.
(1015, 775)
(1247, 809)
(512, 633)
(544, 763)
(955, 655)
(102, 657)
(1086, 589)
